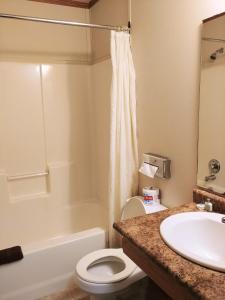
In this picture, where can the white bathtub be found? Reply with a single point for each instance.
(47, 267)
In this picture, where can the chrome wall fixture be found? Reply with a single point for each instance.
(66, 23)
(213, 40)
(215, 54)
(25, 176)
(214, 168)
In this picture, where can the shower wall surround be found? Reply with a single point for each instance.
(101, 84)
(55, 110)
(44, 126)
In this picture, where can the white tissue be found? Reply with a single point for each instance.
(148, 170)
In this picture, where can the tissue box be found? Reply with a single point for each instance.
(163, 164)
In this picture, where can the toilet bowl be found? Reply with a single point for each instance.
(106, 273)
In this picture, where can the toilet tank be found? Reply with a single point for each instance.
(135, 207)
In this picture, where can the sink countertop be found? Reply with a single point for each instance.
(144, 232)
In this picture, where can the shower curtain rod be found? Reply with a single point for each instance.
(63, 22)
(213, 40)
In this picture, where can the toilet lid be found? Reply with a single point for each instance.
(100, 256)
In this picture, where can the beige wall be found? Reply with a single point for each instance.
(166, 48)
(113, 12)
(44, 42)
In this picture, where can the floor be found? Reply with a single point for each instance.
(68, 294)
(145, 289)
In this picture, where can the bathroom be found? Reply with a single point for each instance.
(55, 121)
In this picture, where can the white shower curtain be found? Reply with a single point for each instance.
(123, 171)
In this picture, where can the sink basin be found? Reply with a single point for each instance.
(198, 236)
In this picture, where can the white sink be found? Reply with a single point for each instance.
(198, 236)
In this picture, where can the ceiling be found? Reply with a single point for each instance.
(74, 3)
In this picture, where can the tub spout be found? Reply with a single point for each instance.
(210, 177)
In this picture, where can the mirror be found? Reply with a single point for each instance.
(211, 145)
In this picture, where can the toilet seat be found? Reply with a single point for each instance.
(104, 255)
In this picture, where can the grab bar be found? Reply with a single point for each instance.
(24, 176)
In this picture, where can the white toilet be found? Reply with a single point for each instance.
(106, 273)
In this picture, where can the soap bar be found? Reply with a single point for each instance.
(10, 255)
(200, 206)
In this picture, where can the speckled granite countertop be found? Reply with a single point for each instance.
(144, 233)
